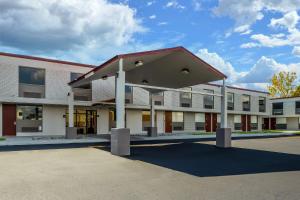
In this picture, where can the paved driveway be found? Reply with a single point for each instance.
(254, 169)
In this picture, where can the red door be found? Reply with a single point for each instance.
(244, 120)
(9, 119)
(266, 124)
(273, 123)
(168, 122)
(248, 122)
(214, 122)
(208, 122)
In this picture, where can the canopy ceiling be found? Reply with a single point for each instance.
(172, 68)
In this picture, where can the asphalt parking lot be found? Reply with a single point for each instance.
(253, 169)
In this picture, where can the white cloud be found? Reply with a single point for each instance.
(219, 63)
(152, 17)
(249, 45)
(289, 21)
(162, 23)
(259, 75)
(247, 12)
(48, 26)
(296, 51)
(197, 5)
(174, 4)
(149, 3)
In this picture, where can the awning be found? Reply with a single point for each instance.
(173, 68)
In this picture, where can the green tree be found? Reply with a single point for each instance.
(282, 85)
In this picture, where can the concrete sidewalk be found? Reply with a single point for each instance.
(135, 139)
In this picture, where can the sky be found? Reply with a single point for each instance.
(248, 40)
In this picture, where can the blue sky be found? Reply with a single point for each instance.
(248, 40)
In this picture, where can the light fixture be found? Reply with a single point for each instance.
(185, 71)
(104, 77)
(138, 63)
(144, 81)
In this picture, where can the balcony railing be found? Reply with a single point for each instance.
(277, 111)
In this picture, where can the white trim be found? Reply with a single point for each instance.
(171, 89)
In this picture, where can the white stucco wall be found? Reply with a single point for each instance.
(189, 121)
(53, 122)
(103, 121)
(292, 123)
(134, 121)
(1, 119)
(160, 121)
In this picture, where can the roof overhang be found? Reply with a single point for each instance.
(172, 68)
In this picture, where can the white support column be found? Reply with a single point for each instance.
(120, 96)
(152, 112)
(71, 107)
(224, 106)
(223, 136)
(71, 131)
(120, 136)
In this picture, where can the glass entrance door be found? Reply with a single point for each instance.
(91, 121)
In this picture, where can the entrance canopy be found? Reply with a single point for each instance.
(171, 68)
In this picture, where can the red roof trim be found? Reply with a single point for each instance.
(237, 88)
(179, 48)
(45, 59)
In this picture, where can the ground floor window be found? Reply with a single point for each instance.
(177, 121)
(84, 120)
(281, 123)
(146, 120)
(29, 118)
(254, 123)
(237, 122)
(199, 121)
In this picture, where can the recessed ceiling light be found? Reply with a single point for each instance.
(185, 71)
(138, 63)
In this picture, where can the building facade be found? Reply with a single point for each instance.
(34, 99)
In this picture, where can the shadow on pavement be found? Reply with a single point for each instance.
(206, 160)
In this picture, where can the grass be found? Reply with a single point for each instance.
(2, 138)
(250, 132)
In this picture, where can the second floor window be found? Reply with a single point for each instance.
(74, 76)
(208, 100)
(128, 95)
(230, 101)
(186, 98)
(246, 102)
(277, 108)
(31, 82)
(158, 98)
(262, 104)
(297, 107)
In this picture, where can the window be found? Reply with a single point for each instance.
(277, 108)
(254, 122)
(158, 98)
(146, 120)
(199, 121)
(246, 102)
(29, 118)
(297, 107)
(31, 82)
(128, 94)
(208, 99)
(230, 101)
(75, 76)
(177, 121)
(186, 98)
(237, 122)
(262, 104)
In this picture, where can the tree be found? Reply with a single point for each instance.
(282, 85)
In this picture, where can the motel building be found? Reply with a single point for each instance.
(153, 92)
